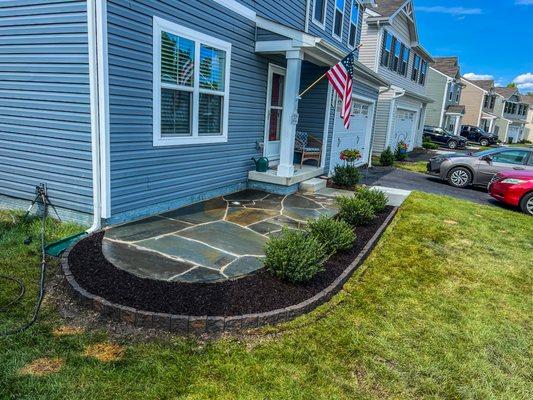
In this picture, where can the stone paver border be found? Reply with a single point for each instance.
(198, 325)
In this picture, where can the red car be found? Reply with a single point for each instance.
(514, 188)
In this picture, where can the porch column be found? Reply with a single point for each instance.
(457, 124)
(491, 124)
(289, 119)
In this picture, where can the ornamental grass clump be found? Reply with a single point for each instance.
(335, 235)
(377, 198)
(355, 211)
(294, 256)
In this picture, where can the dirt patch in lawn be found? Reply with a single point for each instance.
(42, 366)
(105, 352)
(255, 293)
(67, 330)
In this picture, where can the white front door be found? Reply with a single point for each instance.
(404, 128)
(274, 110)
(352, 138)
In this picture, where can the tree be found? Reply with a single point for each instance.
(512, 85)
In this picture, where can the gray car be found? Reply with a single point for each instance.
(462, 170)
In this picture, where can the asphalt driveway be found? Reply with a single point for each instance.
(401, 179)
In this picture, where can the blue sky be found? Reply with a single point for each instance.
(491, 37)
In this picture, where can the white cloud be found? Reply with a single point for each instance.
(452, 10)
(524, 82)
(524, 2)
(477, 77)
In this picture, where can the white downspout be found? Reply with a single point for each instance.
(94, 101)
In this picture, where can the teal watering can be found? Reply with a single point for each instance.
(261, 164)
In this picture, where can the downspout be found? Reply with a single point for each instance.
(95, 118)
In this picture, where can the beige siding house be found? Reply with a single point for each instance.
(444, 86)
(528, 131)
(391, 48)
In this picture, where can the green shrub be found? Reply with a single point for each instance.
(294, 256)
(428, 144)
(335, 235)
(377, 199)
(386, 158)
(346, 175)
(355, 211)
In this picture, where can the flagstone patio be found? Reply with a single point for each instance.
(214, 240)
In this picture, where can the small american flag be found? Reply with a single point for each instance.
(341, 78)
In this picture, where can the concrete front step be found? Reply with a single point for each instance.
(312, 185)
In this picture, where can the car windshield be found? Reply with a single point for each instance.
(486, 152)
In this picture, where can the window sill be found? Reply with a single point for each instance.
(162, 142)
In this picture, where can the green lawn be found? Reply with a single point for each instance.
(442, 309)
(416, 166)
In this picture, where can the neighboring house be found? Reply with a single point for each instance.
(391, 48)
(444, 87)
(528, 131)
(127, 108)
(513, 114)
(495, 109)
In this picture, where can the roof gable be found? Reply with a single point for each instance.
(487, 84)
(506, 92)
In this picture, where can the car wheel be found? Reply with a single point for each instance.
(526, 204)
(484, 142)
(452, 144)
(460, 177)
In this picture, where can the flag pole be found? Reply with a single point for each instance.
(312, 85)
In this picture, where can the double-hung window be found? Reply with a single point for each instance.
(457, 93)
(423, 72)
(319, 12)
(416, 68)
(354, 23)
(191, 86)
(492, 101)
(387, 49)
(404, 63)
(486, 101)
(395, 61)
(338, 19)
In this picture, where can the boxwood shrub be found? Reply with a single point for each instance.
(386, 158)
(294, 256)
(346, 175)
(334, 234)
(355, 211)
(377, 198)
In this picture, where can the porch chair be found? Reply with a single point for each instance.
(309, 146)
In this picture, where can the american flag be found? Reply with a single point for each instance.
(341, 78)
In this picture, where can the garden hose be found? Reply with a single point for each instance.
(22, 288)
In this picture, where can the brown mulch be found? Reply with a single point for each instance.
(255, 293)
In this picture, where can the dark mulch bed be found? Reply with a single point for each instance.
(252, 294)
(332, 185)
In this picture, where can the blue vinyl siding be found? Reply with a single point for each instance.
(144, 178)
(286, 12)
(45, 133)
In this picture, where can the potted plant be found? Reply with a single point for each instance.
(401, 150)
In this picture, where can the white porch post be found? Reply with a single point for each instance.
(289, 118)
(491, 124)
(457, 124)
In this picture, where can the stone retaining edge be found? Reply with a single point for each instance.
(198, 325)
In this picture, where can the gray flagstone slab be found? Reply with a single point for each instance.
(144, 229)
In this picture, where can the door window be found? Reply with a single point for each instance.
(276, 107)
(517, 157)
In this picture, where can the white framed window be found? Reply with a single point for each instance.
(320, 9)
(338, 19)
(354, 23)
(190, 86)
(450, 88)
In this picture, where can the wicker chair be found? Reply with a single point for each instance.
(309, 146)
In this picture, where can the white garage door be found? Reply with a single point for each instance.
(514, 133)
(352, 138)
(404, 128)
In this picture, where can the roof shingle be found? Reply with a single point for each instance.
(483, 84)
(447, 65)
(386, 8)
(505, 92)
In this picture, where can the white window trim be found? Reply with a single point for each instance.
(339, 38)
(359, 11)
(321, 24)
(160, 25)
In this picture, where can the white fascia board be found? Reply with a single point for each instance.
(238, 8)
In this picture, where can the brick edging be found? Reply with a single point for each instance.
(197, 325)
